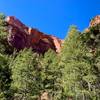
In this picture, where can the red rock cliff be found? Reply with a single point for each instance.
(95, 21)
(21, 36)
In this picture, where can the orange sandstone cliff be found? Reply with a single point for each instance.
(21, 36)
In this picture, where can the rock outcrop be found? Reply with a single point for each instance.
(21, 36)
(95, 21)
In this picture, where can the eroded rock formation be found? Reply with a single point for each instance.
(95, 21)
(21, 36)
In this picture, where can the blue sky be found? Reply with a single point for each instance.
(52, 16)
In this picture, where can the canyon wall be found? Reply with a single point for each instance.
(20, 36)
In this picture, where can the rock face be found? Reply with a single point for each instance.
(95, 21)
(45, 96)
(21, 36)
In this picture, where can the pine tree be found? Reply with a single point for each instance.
(51, 75)
(92, 41)
(76, 65)
(26, 76)
(5, 77)
(5, 72)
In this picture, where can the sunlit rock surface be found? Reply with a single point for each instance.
(20, 36)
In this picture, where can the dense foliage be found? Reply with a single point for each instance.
(73, 74)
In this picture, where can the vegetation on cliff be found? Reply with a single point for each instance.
(73, 74)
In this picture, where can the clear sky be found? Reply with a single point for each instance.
(52, 16)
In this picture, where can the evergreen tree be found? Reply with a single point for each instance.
(92, 40)
(51, 75)
(5, 78)
(26, 76)
(77, 77)
(5, 72)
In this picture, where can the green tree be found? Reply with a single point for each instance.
(77, 74)
(5, 72)
(51, 75)
(92, 41)
(26, 76)
(33, 74)
(5, 78)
